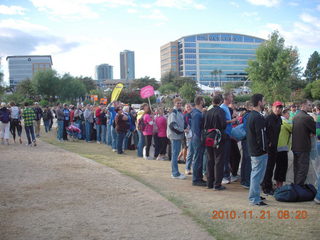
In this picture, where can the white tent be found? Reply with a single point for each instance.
(207, 89)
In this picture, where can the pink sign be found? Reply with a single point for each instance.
(146, 91)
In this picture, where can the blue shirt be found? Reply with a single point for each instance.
(228, 118)
(66, 114)
(196, 123)
(112, 115)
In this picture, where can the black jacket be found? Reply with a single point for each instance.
(303, 127)
(256, 134)
(215, 118)
(273, 124)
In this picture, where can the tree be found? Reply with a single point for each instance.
(188, 92)
(312, 90)
(168, 88)
(88, 82)
(27, 89)
(71, 88)
(273, 68)
(46, 83)
(168, 77)
(1, 84)
(145, 81)
(312, 71)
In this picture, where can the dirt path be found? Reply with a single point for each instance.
(49, 193)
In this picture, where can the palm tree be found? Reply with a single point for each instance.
(215, 73)
(219, 72)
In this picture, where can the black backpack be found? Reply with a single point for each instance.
(5, 116)
(295, 193)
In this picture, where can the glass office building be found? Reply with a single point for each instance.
(127, 65)
(23, 67)
(212, 59)
(104, 72)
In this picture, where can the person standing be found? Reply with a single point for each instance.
(303, 127)
(60, 120)
(161, 123)
(257, 146)
(188, 149)
(103, 120)
(28, 116)
(37, 121)
(47, 118)
(196, 144)
(215, 118)
(121, 128)
(273, 123)
(148, 130)
(112, 115)
(98, 123)
(4, 123)
(175, 133)
(15, 123)
(227, 99)
(294, 111)
(88, 118)
(141, 142)
(66, 121)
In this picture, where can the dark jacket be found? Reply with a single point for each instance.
(121, 125)
(196, 123)
(303, 127)
(215, 118)
(256, 134)
(273, 124)
(38, 112)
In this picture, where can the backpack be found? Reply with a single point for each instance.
(141, 124)
(211, 138)
(295, 193)
(239, 132)
(5, 116)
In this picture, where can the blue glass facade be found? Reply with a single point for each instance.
(216, 58)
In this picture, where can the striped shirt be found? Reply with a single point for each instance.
(28, 116)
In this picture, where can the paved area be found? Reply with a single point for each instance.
(49, 193)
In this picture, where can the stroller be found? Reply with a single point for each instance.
(74, 132)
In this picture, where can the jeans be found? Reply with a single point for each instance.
(60, 129)
(259, 165)
(114, 137)
(98, 130)
(318, 191)
(148, 141)
(29, 131)
(109, 135)
(46, 125)
(120, 137)
(88, 130)
(156, 145)
(197, 159)
(245, 164)
(140, 144)
(226, 156)
(176, 147)
(190, 156)
(126, 140)
(103, 134)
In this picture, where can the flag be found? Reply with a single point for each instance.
(116, 92)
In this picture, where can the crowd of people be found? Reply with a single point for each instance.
(213, 142)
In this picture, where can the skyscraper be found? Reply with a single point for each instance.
(23, 67)
(127, 65)
(211, 59)
(104, 72)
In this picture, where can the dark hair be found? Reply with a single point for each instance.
(118, 109)
(227, 94)
(26, 104)
(217, 99)
(286, 110)
(256, 98)
(198, 100)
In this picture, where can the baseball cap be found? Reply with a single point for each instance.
(277, 104)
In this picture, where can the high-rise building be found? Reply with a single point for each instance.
(104, 72)
(24, 67)
(127, 65)
(211, 59)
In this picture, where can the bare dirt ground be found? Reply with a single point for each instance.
(49, 193)
(200, 202)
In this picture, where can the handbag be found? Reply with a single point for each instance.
(238, 132)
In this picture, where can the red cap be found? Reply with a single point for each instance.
(277, 103)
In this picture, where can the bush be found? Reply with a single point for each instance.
(44, 103)
(242, 98)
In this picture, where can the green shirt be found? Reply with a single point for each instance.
(28, 117)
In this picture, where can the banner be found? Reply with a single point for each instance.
(147, 92)
(116, 92)
(104, 101)
(94, 97)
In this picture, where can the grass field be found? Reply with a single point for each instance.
(235, 219)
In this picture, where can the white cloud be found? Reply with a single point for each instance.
(266, 3)
(180, 4)
(132, 10)
(249, 14)
(307, 18)
(293, 4)
(12, 10)
(318, 7)
(22, 25)
(235, 4)
(155, 14)
(77, 9)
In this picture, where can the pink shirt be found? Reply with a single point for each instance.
(148, 130)
(161, 122)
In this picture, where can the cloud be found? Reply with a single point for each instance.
(77, 9)
(249, 14)
(155, 14)
(293, 4)
(318, 7)
(180, 4)
(19, 37)
(12, 10)
(132, 10)
(266, 3)
(235, 4)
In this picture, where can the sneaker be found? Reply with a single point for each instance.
(149, 158)
(181, 162)
(98, 142)
(200, 183)
(114, 150)
(260, 204)
(245, 186)
(225, 181)
(34, 143)
(160, 158)
(188, 172)
(235, 178)
(219, 188)
(316, 200)
(262, 198)
(181, 176)
(268, 192)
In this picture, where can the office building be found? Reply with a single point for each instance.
(104, 72)
(127, 65)
(24, 67)
(212, 59)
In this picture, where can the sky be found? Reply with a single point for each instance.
(80, 34)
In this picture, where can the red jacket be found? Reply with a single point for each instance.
(98, 113)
